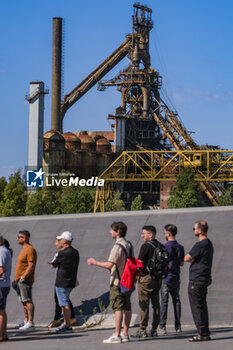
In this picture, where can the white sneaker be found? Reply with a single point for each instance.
(27, 327)
(124, 338)
(112, 340)
(21, 325)
(163, 330)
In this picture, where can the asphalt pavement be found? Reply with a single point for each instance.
(85, 339)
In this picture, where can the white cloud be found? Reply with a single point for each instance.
(188, 94)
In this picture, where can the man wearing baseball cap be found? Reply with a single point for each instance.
(66, 262)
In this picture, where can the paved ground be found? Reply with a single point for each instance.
(92, 339)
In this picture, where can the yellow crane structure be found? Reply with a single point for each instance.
(209, 166)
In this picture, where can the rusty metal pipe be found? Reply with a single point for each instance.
(123, 93)
(56, 122)
(145, 101)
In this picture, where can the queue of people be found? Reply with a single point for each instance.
(151, 287)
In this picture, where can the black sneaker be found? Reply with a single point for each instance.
(153, 333)
(178, 330)
(139, 334)
(64, 329)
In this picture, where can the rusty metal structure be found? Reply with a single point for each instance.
(139, 85)
(142, 122)
(134, 125)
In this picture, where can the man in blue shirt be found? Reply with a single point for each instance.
(5, 272)
(171, 284)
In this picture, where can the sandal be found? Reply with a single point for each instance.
(197, 338)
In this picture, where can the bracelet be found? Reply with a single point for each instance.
(22, 279)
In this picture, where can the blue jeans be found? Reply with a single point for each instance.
(172, 288)
(63, 296)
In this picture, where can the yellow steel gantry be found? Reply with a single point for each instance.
(209, 166)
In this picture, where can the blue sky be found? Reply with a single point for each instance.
(191, 47)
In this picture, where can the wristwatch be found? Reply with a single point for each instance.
(22, 279)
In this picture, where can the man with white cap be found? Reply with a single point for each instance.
(66, 262)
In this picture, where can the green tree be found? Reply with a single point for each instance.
(45, 201)
(3, 184)
(137, 203)
(61, 200)
(76, 199)
(227, 197)
(35, 203)
(116, 203)
(187, 193)
(14, 196)
(52, 201)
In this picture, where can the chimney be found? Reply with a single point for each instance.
(36, 124)
(56, 122)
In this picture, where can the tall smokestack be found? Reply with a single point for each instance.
(56, 122)
(36, 124)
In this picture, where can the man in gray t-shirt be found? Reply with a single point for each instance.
(5, 272)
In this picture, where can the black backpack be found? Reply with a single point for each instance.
(158, 264)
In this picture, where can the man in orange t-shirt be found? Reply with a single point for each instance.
(24, 277)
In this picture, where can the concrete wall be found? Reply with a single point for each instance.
(92, 238)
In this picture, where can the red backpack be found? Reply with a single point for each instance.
(131, 270)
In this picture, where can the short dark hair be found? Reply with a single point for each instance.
(25, 233)
(203, 226)
(150, 228)
(119, 226)
(171, 228)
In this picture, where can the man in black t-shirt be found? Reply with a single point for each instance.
(171, 283)
(148, 287)
(66, 262)
(200, 257)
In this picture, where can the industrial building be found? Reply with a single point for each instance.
(142, 122)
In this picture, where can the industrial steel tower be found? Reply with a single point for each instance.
(135, 126)
(139, 84)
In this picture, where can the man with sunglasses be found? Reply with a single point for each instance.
(200, 257)
(24, 278)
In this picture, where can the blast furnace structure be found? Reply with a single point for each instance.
(142, 122)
